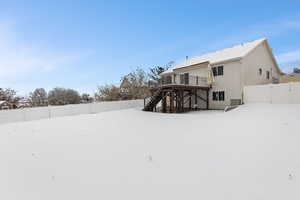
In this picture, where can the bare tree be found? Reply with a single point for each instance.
(9, 95)
(62, 96)
(86, 98)
(155, 72)
(107, 93)
(134, 85)
(39, 97)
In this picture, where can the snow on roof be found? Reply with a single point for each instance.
(234, 52)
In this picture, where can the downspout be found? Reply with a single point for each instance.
(242, 79)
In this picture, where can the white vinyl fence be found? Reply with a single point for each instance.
(28, 114)
(284, 93)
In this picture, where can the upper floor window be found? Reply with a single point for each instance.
(260, 71)
(268, 74)
(218, 71)
(184, 78)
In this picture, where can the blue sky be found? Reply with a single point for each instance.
(82, 44)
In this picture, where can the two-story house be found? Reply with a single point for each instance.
(216, 80)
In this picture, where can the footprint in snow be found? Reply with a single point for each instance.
(149, 158)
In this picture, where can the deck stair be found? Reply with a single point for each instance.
(154, 100)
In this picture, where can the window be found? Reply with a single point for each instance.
(197, 80)
(268, 74)
(186, 78)
(215, 71)
(168, 80)
(215, 96)
(218, 71)
(219, 96)
(181, 79)
(260, 71)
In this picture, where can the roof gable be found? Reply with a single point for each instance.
(232, 53)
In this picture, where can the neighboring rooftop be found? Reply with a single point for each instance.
(234, 52)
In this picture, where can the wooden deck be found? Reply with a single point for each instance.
(175, 97)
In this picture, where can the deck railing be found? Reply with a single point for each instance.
(180, 79)
(184, 79)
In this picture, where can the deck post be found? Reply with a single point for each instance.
(190, 99)
(164, 103)
(207, 99)
(181, 100)
(196, 99)
(172, 102)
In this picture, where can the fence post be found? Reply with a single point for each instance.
(24, 114)
(49, 110)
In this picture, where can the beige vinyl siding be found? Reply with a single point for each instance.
(230, 83)
(259, 58)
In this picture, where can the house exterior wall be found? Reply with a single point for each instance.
(229, 82)
(200, 70)
(237, 74)
(260, 57)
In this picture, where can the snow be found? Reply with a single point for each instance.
(234, 52)
(251, 152)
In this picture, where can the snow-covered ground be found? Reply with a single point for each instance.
(252, 152)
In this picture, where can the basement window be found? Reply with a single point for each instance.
(215, 96)
(219, 96)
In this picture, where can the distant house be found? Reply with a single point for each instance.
(24, 103)
(216, 80)
(293, 77)
(5, 105)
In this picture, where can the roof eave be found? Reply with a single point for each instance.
(227, 61)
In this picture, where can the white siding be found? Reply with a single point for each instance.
(200, 70)
(230, 82)
(29, 114)
(284, 93)
(260, 57)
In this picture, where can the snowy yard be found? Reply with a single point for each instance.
(252, 152)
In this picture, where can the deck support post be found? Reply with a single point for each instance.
(164, 103)
(196, 99)
(207, 99)
(182, 100)
(190, 99)
(172, 102)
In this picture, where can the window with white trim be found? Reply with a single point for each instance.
(218, 96)
(218, 71)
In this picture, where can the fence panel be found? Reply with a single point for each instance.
(295, 93)
(284, 93)
(257, 94)
(28, 114)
